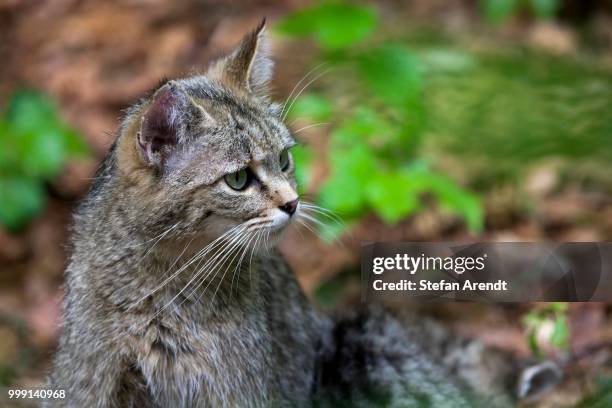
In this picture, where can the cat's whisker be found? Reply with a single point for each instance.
(309, 218)
(313, 205)
(329, 214)
(218, 247)
(166, 281)
(268, 241)
(295, 132)
(259, 233)
(232, 234)
(94, 178)
(160, 236)
(308, 227)
(319, 75)
(322, 219)
(315, 221)
(324, 212)
(239, 263)
(299, 230)
(169, 303)
(210, 266)
(198, 256)
(312, 219)
(218, 260)
(311, 222)
(235, 249)
(322, 64)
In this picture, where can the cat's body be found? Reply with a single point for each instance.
(133, 337)
(152, 319)
(205, 352)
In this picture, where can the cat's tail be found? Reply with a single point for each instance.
(374, 358)
(487, 370)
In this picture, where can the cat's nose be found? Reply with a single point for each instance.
(290, 206)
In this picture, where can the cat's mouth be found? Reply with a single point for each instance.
(277, 220)
(272, 222)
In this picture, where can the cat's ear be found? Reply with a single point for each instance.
(249, 66)
(164, 123)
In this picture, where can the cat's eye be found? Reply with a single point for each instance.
(284, 160)
(238, 180)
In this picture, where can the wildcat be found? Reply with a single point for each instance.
(175, 295)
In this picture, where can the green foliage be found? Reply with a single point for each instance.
(303, 158)
(314, 107)
(601, 397)
(536, 322)
(373, 152)
(392, 73)
(35, 145)
(497, 11)
(333, 24)
(544, 8)
(505, 110)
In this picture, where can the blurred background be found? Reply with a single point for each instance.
(421, 120)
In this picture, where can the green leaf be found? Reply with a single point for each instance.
(344, 191)
(43, 153)
(74, 143)
(302, 157)
(312, 107)
(334, 25)
(365, 126)
(533, 344)
(392, 73)
(560, 334)
(545, 9)
(30, 112)
(532, 319)
(451, 197)
(496, 11)
(342, 195)
(40, 141)
(392, 196)
(35, 145)
(7, 152)
(22, 199)
(558, 307)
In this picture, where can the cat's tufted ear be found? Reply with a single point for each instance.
(168, 116)
(249, 66)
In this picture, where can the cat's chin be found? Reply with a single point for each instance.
(274, 229)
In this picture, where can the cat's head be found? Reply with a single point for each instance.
(209, 153)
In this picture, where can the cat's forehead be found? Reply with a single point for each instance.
(244, 127)
(226, 148)
(222, 151)
(235, 132)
